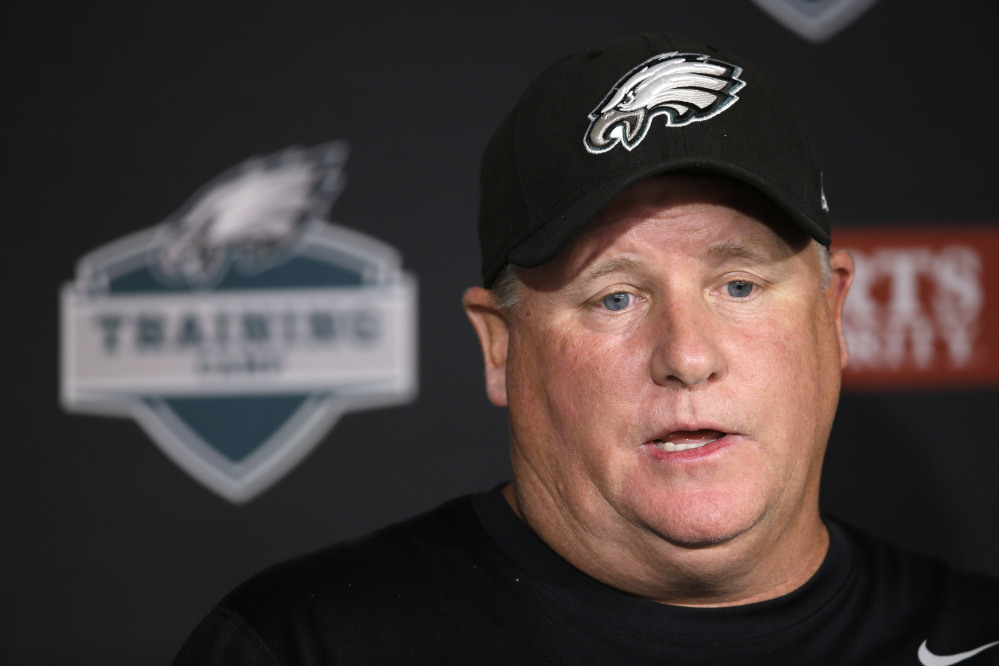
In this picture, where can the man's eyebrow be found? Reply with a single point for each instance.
(761, 251)
(599, 269)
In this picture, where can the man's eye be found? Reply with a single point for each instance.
(616, 301)
(739, 288)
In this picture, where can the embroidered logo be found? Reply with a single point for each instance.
(927, 658)
(815, 20)
(239, 330)
(682, 88)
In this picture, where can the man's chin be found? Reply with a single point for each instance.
(701, 539)
(688, 528)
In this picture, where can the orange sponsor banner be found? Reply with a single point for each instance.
(923, 312)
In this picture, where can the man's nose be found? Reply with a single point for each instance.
(686, 349)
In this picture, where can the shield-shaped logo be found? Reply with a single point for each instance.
(815, 20)
(239, 330)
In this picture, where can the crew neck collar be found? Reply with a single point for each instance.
(562, 583)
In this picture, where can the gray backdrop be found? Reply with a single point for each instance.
(115, 113)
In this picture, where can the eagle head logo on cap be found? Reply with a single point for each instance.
(683, 87)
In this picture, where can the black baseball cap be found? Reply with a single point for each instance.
(598, 121)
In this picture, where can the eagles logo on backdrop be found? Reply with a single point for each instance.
(240, 329)
(681, 88)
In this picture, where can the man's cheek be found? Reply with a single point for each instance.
(771, 361)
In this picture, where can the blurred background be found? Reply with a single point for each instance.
(115, 114)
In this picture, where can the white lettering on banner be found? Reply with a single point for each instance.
(253, 342)
(905, 301)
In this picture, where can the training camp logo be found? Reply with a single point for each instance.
(239, 330)
(683, 87)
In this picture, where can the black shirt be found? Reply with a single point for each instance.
(470, 583)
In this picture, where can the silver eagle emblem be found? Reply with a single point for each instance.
(682, 87)
(251, 214)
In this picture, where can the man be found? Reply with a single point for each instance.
(662, 317)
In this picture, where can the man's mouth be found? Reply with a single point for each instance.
(684, 440)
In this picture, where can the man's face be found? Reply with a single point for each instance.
(672, 375)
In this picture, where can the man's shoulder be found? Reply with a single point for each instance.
(389, 561)
(896, 591)
(897, 568)
(344, 600)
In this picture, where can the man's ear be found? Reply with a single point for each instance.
(491, 325)
(841, 274)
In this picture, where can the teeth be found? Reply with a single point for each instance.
(672, 448)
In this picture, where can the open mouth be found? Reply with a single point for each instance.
(684, 440)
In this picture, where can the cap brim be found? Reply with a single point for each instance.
(558, 233)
